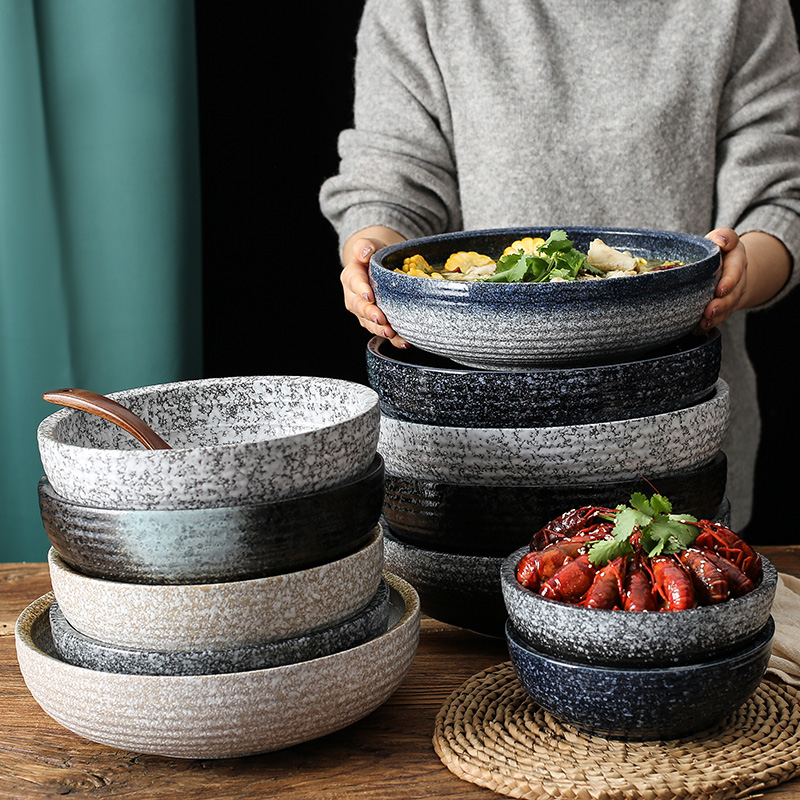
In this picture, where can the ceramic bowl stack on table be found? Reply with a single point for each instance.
(226, 596)
(517, 402)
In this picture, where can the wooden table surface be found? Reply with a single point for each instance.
(386, 756)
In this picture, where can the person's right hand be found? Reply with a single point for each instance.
(358, 296)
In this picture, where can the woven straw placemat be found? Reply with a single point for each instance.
(489, 732)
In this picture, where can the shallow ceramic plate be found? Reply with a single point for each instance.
(416, 386)
(650, 446)
(519, 325)
(73, 647)
(219, 716)
(218, 615)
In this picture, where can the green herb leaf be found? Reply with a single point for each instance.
(660, 530)
(557, 258)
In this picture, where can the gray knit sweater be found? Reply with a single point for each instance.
(671, 114)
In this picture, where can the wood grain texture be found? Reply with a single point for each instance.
(386, 756)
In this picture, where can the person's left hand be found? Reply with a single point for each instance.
(732, 284)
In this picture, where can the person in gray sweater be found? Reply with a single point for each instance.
(680, 115)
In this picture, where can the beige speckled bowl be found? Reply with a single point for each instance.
(230, 614)
(219, 716)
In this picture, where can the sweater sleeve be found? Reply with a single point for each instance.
(758, 151)
(396, 163)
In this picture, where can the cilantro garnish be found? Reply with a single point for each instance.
(660, 530)
(556, 258)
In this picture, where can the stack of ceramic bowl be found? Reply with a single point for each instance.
(225, 596)
(638, 675)
(517, 402)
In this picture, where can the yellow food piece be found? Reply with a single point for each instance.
(528, 245)
(416, 262)
(464, 261)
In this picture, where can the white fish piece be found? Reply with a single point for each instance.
(606, 258)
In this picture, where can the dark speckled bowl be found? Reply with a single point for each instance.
(520, 325)
(83, 651)
(460, 590)
(495, 520)
(417, 386)
(211, 545)
(650, 703)
(616, 638)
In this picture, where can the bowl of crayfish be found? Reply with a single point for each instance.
(637, 586)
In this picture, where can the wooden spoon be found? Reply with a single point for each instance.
(109, 409)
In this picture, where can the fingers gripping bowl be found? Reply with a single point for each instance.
(517, 325)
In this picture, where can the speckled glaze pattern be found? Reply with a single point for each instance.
(234, 440)
(618, 638)
(211, 545)
(653, 446)
(226, 715)
(518, 325)
(73, 647)
(456, 589)
(416, 386)
(218, 615)
(652, 703)
(496, 520)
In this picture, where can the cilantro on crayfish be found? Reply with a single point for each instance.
(640, 557)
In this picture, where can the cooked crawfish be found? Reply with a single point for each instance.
(570, 582)
(537, 566)
(608, 585)
(729, 545)
(568, 524)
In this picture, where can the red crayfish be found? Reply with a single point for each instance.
(717, 565)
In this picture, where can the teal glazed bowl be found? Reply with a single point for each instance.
(522, 325)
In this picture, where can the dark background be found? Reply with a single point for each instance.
(274, 92)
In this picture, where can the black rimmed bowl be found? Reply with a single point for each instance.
(521, 325)
(496, 520)
(417, 386)
(645, 703)
(84, 651)
(209, 545)
(461, 590)
(645, 639)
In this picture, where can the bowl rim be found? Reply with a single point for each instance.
(41, 606)
(508, 580)
(713, 252)
(373, 472)
(761, 639)
(46, 430)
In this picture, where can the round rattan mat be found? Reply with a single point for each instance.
(490, 733)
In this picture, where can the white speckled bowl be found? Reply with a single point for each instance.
(230, 614)
(620, 638)
(219, 716)
(234, 440)
(518, 325)
(650, 446)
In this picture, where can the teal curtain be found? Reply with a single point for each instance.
(100, 262)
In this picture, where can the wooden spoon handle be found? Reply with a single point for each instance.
(111, 410)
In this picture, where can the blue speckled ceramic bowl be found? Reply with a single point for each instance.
(417, 386)
(460, 590)
(649, 703)
(509, 326)
(233, 440)
(618, 638)
(209, 545)
(496, 520)
(84, 651)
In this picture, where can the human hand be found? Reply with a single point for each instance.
(732, 286)
(358, 296)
